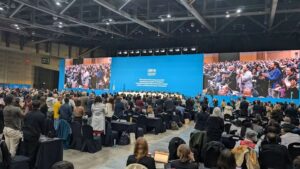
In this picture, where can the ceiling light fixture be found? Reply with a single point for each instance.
(227, 15)
(162, 19)
(169, 15)
(58, 3)
(1, 8)
(239, 10)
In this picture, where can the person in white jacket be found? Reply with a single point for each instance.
(98, 115)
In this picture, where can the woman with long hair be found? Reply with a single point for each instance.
(226, 160)
(186, 158)
(140, 154)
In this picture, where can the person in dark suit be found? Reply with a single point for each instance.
(215, 125)
(32, 129)
(65, 111)
(201, 119)
(244, 107)
(140, 154)
(186, 158)
(119, 107)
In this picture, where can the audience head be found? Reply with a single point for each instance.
(77, 103)
(296, 163)
(217, 112)
(66, 100)
(63, 165)
(287, 128)
(272, 138)
(251, 135)
(141, 148)
(98, 99)
(8, 100)
(36, 104)
(184, 153)
(226, 160)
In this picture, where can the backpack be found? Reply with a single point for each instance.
(174, 126)
(173, 145)
(124, 139)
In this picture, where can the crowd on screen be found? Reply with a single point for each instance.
(260, 128)
(260, 78)
(94, 76)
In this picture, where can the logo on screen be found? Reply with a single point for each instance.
(151, 72)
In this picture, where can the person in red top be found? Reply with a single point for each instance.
(250, 139)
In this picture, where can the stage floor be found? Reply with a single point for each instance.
(115, 157)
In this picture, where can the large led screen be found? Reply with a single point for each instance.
(272, 74)
(92, 73)
(176, 73)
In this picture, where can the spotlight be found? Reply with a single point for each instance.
(137, 52)
(107, 23)
(169, 16)
(18, 28)
(162, 51)
(110, 20)
(131, 52)
(60, 26)
(193, 48)
(58, 3)
(1, 8)
(227, 15)
(144, 51)
(119, 53)
(60, 23)
(156, 51)
(125, 52)
(239, 10)
(185, 49)
(162, 19)
(150, 52)
(177, 51)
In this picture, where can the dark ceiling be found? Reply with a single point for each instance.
(213, 25)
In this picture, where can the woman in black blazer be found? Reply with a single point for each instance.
(186, 159)
(140, 155)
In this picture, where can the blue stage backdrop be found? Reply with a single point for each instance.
(175, 73)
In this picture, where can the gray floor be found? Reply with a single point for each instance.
(115, 157)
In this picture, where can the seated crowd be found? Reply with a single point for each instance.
(235, 134)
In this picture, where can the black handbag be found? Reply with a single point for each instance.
(124, 139)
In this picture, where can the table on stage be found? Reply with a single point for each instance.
(50, 151)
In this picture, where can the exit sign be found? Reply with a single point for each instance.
(45, 60)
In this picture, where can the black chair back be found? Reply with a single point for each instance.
(6, 158)
(272, 159)
(294, 150)
(87, 132)
(227, 127)
(173, 145)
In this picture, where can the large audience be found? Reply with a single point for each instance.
(237, 134)
(260, 78)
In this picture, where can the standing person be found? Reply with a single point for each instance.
(65, 111)
(50, 101)
(110, 106)
(201, 119)
(215, 125)
(12, 125)
(246, 79)
(56, 108)
(274, 75)
(244, 107)
(78, 112)
(98, 116)
(119, 108)
(292, 92)
(32, 130)
(140, 154)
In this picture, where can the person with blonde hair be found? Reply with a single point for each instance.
(186, 158)
(141, 154)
